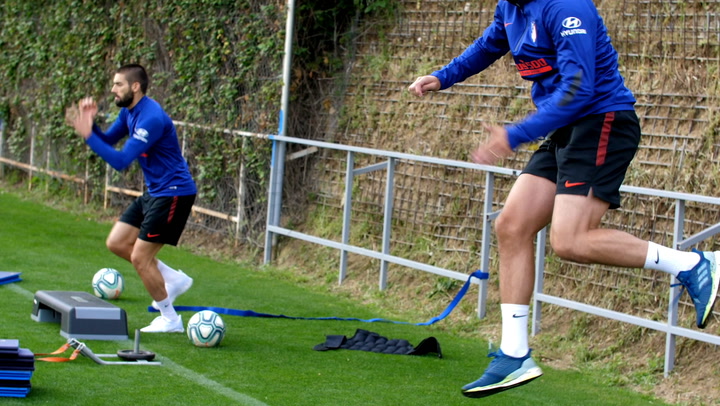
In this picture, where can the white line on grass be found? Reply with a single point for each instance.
(210, 384)
(21, 291)
(188, 374)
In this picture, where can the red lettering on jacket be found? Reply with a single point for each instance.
(533, 67)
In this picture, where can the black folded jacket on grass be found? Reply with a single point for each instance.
(364, 340)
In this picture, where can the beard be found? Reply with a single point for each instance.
(124, 100)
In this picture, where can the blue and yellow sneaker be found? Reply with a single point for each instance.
(701, 283)
(503, 373)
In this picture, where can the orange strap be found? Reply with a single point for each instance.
(60, 351)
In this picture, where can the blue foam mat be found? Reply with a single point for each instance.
(16, 375)
(9, 277)
(14, 392)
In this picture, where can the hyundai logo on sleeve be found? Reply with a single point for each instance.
(571, 22)
(572, 25)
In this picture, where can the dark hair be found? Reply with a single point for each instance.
(135, 73)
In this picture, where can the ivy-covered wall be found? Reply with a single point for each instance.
(213, 63)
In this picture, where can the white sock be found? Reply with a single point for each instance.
(169, 275)
(167, 310)
(514, 341)
(669, 260)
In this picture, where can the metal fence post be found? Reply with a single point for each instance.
(486, 236)
(539, 279)
(2, 143)
(671, 339)
(32, 157)
(387, 220)
(277, 165)
(347, 212)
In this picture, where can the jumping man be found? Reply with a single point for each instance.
(157, 217)
(586, 116)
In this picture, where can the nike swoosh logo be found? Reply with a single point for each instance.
(657, 260)
(571, 184)
(506, 24)
(517, 316)
(153, 235)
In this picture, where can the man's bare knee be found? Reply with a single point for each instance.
(567, 248)
(119, 248)
(112, 245)
(510, 229)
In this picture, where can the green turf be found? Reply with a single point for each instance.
(260, 361)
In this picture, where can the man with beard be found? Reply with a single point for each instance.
(157, 217)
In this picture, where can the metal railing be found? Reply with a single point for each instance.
(669, 327)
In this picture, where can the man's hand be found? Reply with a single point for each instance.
(496, 148)
(81, 116)
(88, 106)
(424, 84)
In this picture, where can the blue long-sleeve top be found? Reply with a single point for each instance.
(562, 46)
(152, 142)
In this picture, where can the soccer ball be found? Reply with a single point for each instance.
(205, 329)
(108, 283)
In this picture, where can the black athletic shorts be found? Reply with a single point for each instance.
(160, 219)
(592, 153)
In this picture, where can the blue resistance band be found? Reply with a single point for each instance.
(249, 313)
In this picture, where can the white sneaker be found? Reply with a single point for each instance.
(176, 289)
(164, 325)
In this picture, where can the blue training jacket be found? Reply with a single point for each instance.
(561, 46)
(153, 143)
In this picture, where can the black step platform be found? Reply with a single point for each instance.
(81, 315)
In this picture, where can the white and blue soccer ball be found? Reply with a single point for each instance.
(206, 329)
(108, 283)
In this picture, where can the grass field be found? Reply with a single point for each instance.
(261, 361)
